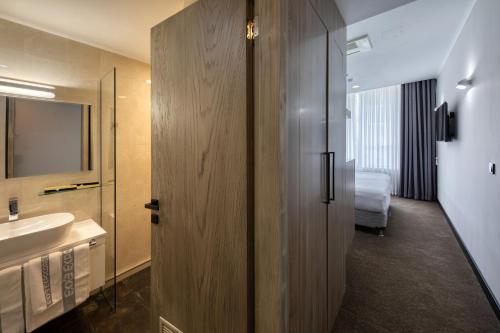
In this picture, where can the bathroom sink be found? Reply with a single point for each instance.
(35, 234)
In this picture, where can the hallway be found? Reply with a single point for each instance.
(415, 279)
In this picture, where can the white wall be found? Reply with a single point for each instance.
(468, 193)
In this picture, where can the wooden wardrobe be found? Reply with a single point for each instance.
(254, 211)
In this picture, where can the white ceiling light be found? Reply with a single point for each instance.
(355, 86)
(360, 44)
(26, 92)
(22, 88)
(24, 83)
(464, 84)
(3, 66)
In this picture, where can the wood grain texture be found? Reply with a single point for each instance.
(294, 311)
(200, 168)
(337, 208)
(316, 260)
(307, 219)
(270, 231)
(313, 213)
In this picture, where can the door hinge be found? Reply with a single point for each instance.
(253, 28)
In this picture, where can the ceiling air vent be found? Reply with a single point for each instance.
(166, 327)
(357, 45)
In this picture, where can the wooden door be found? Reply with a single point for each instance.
(337, 212)
(308, 219)
(200, 169)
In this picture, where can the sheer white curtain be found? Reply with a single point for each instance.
(374, 137)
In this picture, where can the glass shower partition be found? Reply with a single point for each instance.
(108, 179)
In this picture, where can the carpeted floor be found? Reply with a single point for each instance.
(415, 279)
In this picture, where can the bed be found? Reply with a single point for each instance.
(373, 199)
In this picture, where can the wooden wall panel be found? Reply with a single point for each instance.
(200, 169)
(291, 178)
(311, 232)
(306, 76)
(270, 229)
(337, 208)
(292, 281)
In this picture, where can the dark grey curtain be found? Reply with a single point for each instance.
(418, 141)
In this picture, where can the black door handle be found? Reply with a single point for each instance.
(153, 205)
(325, 178)
(328, 177)
(331, 176)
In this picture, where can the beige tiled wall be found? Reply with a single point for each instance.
(75, 70)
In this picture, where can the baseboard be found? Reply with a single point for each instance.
(122, 276)
(484, 285)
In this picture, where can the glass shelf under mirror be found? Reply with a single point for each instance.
(69, 189)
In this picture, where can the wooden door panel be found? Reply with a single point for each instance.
(336, 209)
(200, 168)
(308, 303)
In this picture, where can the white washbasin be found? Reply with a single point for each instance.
(34, 234)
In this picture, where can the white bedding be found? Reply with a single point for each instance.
(373, 191)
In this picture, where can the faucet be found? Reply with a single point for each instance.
(13, 209)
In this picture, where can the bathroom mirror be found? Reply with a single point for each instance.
(45, 137)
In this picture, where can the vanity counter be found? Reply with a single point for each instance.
(81, 232)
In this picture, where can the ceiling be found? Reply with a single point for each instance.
(357, 10)
(120, 26)
(410, 43)
(411, 38)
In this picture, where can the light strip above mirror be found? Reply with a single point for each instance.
(26, 92)
(22, 88)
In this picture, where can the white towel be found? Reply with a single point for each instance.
(11, 301)
(75, 276)
(75, 286)
(45, 281)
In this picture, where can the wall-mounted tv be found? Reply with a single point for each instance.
(445, 123)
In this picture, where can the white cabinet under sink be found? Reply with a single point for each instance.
(28, 247)
(58, 233)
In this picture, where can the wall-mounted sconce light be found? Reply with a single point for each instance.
(464, 84)
(355, 87)
(22, 88)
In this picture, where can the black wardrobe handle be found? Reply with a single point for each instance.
(325, 178)
(331, 176)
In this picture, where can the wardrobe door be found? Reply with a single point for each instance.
(307, 242)
(337, 213)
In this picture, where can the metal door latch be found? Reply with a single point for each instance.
(153, 205)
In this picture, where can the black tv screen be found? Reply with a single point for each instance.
(442, 123)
